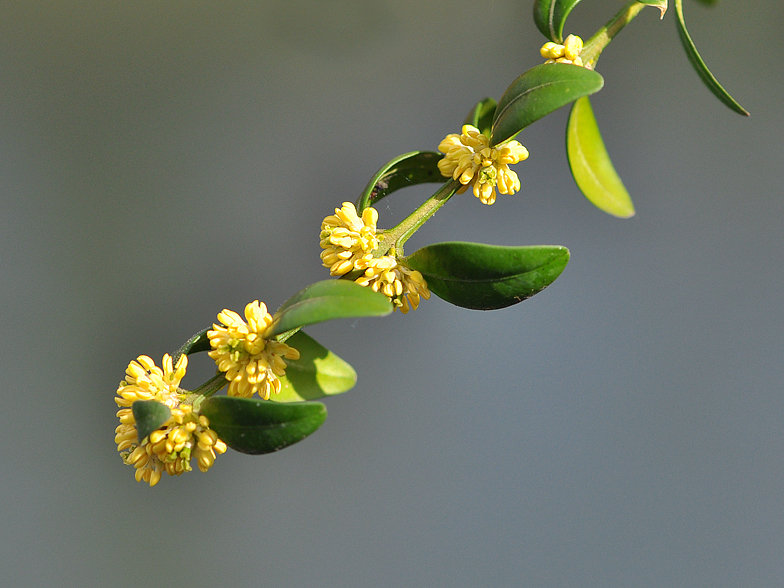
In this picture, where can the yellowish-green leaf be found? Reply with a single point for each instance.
(591, 166)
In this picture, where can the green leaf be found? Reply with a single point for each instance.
(537, 93)
(591, 166)
(260, 426)
(708, 2)
(487, 277)
(699, 65)
(550, 17)
(317, 373)
(481, 116)
(327, 300)
(149, 416)
(196, 344)
(409, 169)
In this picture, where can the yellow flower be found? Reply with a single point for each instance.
(402, 285)
(251, 362)
(470, 160)
(185, 433)
(347, 240)
(170, 448)
(569, 52)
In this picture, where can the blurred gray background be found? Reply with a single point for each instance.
(162, 161)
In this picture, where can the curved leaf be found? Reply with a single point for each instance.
(488, 277)
(327, 300)
(149, 416)
(260, 426)
(317, 373)
(481, 116)
(409, 169)
(550, 16)
(591, 166)
(537, 93)
(699, 65)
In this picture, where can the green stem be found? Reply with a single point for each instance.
(397, 236)
(595, 45)
(211, 386)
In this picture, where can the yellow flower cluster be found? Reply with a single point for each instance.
(252, 363)
(347, 240)
(569, 52)
(404, 286)
(184, 435)
(470, 160)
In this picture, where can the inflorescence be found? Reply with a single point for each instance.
(470, 160)
(569, 52)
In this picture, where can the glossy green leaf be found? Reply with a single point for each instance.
(261, 426)
(699, 65)
(537, 93)
(487, 277)
(591, 166)
(481, 116)
(327, 300)
(317, 373)
(409, 169)
(149, 416)
(550, 16)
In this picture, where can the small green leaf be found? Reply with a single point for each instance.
(196, 344)
(591, 166)
(149, 416)
(409, 169)
(699, 65)
(708, 2)
(550, 17)
(538, 92)
(488, 277)
(317, 373)
(481, 116)
(260, 426)
(327, 300)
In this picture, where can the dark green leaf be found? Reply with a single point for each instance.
(550, 16)
(699, 65)
(260, 426)
(199, 342)
(149, 416)
(537, 93)
(327, 300)
(708, 2)
(409, 169)
(318, 372)
(481, 116)
(487, 277)
(591, 166)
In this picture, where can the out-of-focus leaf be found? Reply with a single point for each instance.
(699, 65)
(550, 16)
(487, 277)
(481, 116)
(327, 300)
(260, 426)
(708, 2)
(591, 166)
(409, 169)
(317, 373)
(149, 416)
(538, 92)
